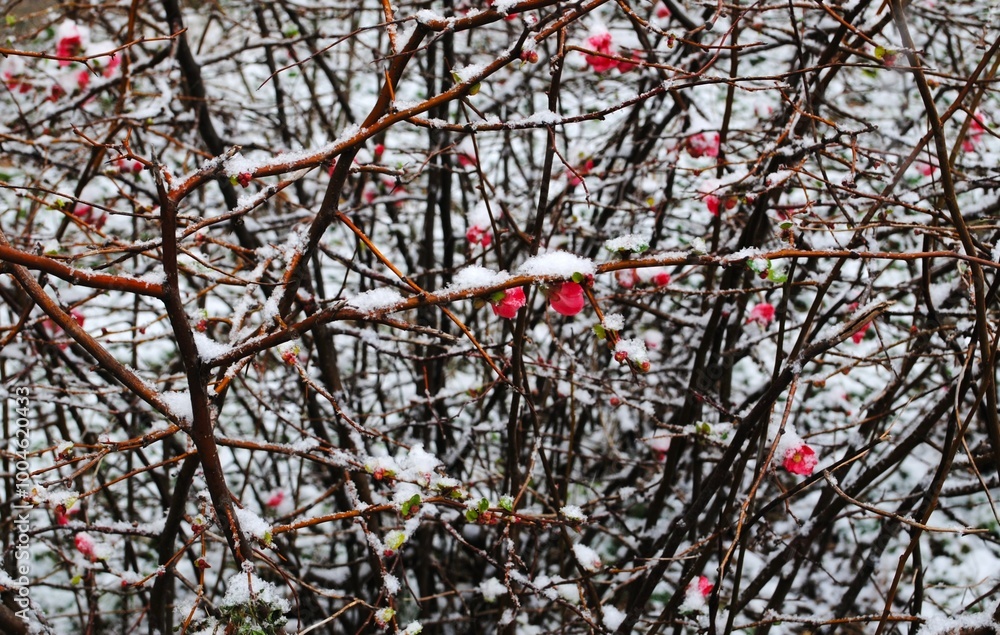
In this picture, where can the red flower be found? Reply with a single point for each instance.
(600, 43)
(113, 63)
(661, 279)
(662, 11)
(703, 145)
(974, 136)
(244, 178)
(712, 202)
(70, 42)
(90, 216)
(479, 236)
(704, 586)
(126, 166)
(566, 298)
(576, 178)
(624, 67)
(762, 313)
(800, 460)
(507, 307)
(860, 333)
(275, 499)
(85, 545)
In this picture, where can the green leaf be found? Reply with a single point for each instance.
(484, 505)
(880, 52)
(600, 331)
(471, 515)
(507, 503)
(11, 20)
(578, 277)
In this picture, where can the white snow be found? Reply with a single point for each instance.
(253, 525)
(376, 300)
(587, 557)
(179, 403)
(492, 588)
(242, 587)
(477, 277)
(557, 264)
(238, 164)
(573, 512)
(391, 583)
(468, 72)
(634, 349)
(613, 617)
(628, 242)
(209, 349)
(614, 321)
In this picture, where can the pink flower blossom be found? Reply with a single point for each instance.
(762, 313)
(576, 178)
(662, 11)
(508, 306)
(659, 444)
(85, 545)
(704, 586)
(479, 236)
(626, 66)
(974, 135)
(661, 278)
(128, 165)
(89, 215)
(926, 169)
(70, 42)
(600, 43)
(566, 298)
(860, 333)
(800, 460)
(113, 64)
(703, 145)
(276, 499)
(712, 202)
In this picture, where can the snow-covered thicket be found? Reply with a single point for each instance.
(527, 317)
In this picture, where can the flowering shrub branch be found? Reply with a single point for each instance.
(736, 362)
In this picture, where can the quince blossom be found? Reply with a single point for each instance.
(479, 236)
(974, 135)
(800, 459)
(70, 42)
(762, 313)
(508, 306)
(566, 298)
(703, 145)
(85, 545)
(600, 43)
